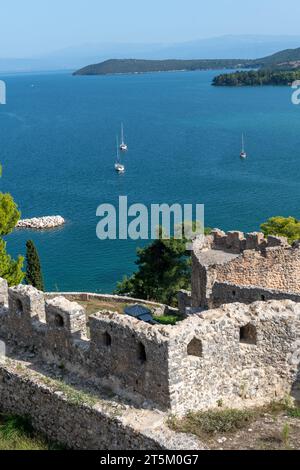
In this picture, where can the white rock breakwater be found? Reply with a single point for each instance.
(40, 223)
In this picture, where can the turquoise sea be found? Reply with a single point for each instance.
(57, 147)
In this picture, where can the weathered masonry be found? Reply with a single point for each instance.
(240, 354)
(238, 267)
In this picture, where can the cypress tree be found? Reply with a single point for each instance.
(34, 275)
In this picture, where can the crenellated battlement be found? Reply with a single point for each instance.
(122, 351)
(213, 356)
(246, 261)
(237, 242)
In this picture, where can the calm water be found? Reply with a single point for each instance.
(57, 138)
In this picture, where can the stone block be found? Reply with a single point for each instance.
(67, 316)
(254, 240)
(26, 302)
(276, 241)
(235, 241)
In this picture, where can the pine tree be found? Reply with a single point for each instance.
(10, 269)
(34, 275)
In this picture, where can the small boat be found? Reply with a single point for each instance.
(123, 146)
(243, 153)
(119, 167)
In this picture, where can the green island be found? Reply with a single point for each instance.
(257, 78)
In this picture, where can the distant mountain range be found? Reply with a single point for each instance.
(284, 60)
(224, 47)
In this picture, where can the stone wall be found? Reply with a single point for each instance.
(243, 260)
(274, 268)
(224, 293)
(122, 351)
(237, 242)
(157, 308)
(238, 355)
(83, 426)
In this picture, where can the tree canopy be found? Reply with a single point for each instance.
(10, 269)
(164, 267)
(288, 227)
(257, 77)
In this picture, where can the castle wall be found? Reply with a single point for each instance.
(246, 260)
(224, 293)
(122, 352)
(238, 356)
(80, 426)
(155, 307)
(133, 353)
(274, 268)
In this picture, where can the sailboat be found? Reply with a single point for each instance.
(118, 165)
(123, 146)
(243, 153)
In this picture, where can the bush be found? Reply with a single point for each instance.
(288, 227)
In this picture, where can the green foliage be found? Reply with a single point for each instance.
(164, 267)
(10, 269)
(166, 319)
(293, 412)
(286, 431)
(259, 77)
(34, 275)
(9, 214)
(16, 433)
(213, 421)
(288, 227)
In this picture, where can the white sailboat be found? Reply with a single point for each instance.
(118, 165)
(123, 146)
(243, 153)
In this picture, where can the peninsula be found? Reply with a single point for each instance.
(281, 68)
(124, 66)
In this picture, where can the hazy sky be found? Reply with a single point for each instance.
(31, 27)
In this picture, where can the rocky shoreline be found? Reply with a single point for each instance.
(41, 223)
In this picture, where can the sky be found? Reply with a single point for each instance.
(36, 27)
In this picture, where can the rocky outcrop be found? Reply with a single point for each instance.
(41, 223)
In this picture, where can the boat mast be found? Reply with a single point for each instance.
(118, 156)
(122, 133)
(243, 144)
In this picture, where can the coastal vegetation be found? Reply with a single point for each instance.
(257, 78)
(164, 268)
(288, 227)
(34, 275)
(10, 269)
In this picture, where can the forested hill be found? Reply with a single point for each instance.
(283, 61)
(256, 78)
(115, 66)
